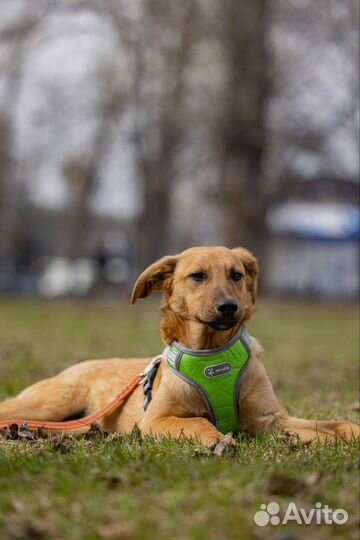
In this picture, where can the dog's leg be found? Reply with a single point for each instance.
(193, 428)
(260, 412)
(323, 430)
(50, 399)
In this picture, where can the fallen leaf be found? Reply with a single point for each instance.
(25, 434)
(16, 432)
(13, 432)
(226, 443)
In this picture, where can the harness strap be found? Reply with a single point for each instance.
(149, 380)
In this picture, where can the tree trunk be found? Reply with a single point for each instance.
(157, 163)
(79, 216)
(242, 134)
(153, 224)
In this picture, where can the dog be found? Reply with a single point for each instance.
(208, 295)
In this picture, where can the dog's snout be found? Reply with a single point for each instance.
(227, 307)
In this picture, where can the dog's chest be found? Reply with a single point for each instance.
(190, 398)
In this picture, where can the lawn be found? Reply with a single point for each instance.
(114, 487)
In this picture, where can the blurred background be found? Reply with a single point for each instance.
(130, 129)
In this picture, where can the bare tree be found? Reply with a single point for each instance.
(16, 38)
(240, 134)
(82, 172)
(162, 52)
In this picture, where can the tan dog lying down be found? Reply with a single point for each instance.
(208, 293)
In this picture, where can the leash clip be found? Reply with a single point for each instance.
(146, 371)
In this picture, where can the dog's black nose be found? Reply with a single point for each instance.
(227, 307)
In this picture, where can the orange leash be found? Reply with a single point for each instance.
(82, 424)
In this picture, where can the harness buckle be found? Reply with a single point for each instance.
(154, 362)
(149, 374)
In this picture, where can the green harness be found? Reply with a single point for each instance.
(216, 374)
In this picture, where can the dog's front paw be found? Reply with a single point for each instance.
(210, 440)
(216, 439)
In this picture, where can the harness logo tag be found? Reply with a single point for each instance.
(218, 370)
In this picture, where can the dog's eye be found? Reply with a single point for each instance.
(236, 276)
(198, 276)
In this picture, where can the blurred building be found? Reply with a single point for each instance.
(315, 234)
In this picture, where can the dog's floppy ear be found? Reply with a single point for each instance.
(153, 278)
(251, 270)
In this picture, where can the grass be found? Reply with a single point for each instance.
(110, 486)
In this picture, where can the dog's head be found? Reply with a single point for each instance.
(211, 286)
